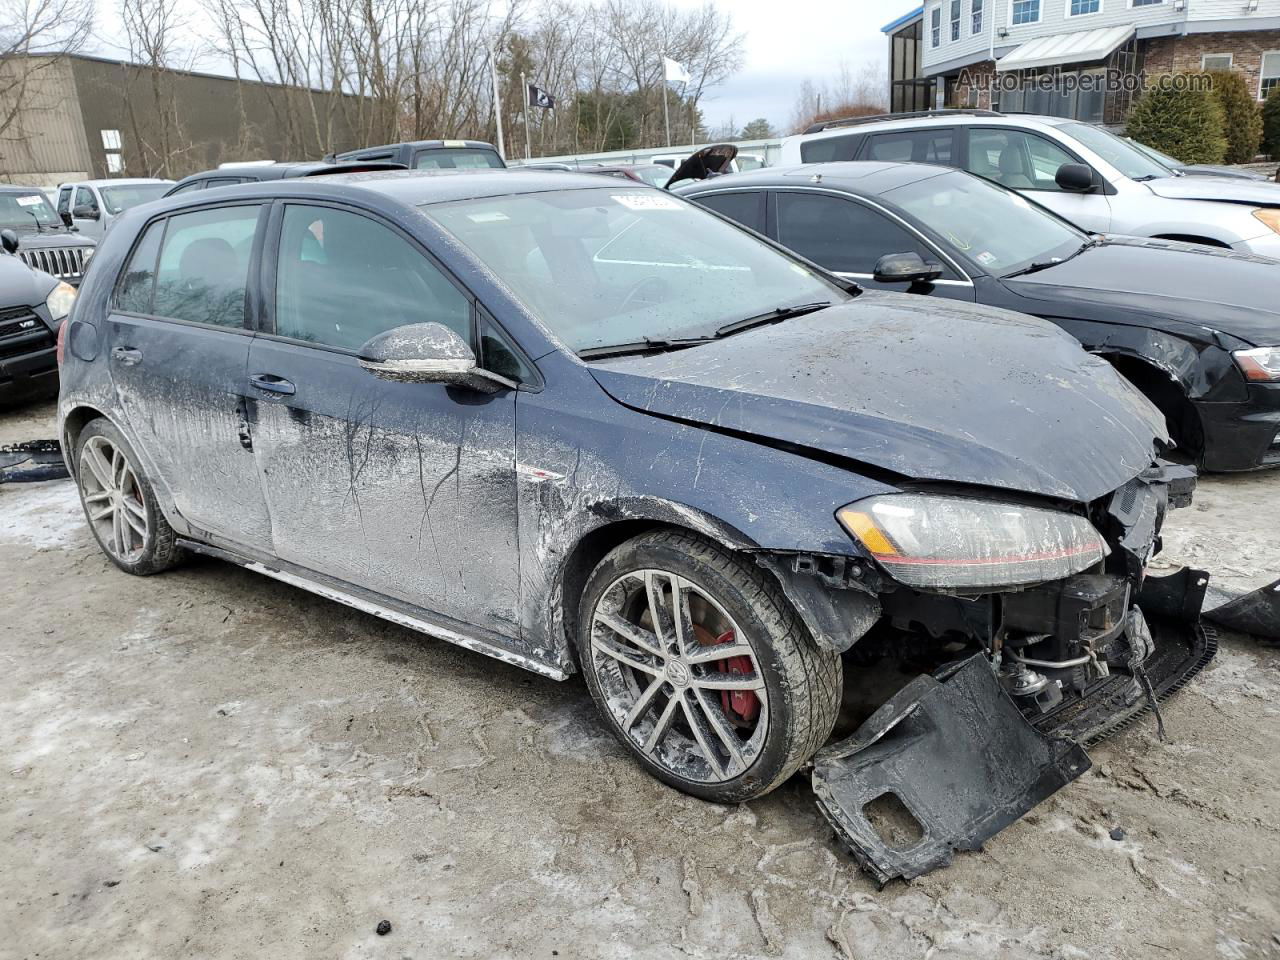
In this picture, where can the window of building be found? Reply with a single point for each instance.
(1078, 8)
(1215, 61)
(977, 16)
(935, 26)
(955, 19)
(1145, 3)
(1026, 11)
(1270, 72)
(110, 139)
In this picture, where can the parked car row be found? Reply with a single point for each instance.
(634, 440)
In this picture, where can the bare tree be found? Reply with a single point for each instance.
(851, 93)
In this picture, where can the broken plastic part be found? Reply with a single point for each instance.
(32, 461)
(957, 754)
(1257, 612)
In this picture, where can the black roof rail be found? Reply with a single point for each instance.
(918, 114)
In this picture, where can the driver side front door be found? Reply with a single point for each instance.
(407, 490)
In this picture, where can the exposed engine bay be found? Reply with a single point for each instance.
(1015, 685)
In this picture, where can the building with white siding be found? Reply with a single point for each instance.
(1084, 58)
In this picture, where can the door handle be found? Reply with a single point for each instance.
(127, 355)
(272, 384)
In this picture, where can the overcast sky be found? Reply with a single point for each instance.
(785, 44)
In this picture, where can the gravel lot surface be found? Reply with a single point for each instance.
(209, 764)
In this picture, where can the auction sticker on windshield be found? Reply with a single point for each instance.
(31, 201)
(644, 201)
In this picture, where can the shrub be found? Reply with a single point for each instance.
(1241, 118)
(1179, 118)
(1271, 124)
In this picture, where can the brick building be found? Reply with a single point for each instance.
(1085, 58)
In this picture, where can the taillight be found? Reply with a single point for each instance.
(62, 340)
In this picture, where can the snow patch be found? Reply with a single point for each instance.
(41, 515)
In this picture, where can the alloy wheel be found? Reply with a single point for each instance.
(113, 499)
(680, 679)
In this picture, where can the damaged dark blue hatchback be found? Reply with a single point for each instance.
(591, 427)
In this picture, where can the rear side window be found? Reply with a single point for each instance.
(186, 188)
(746, 208)
(203, 268)
(841, 235)
(913, 146)
(825, 149)
(343, 278)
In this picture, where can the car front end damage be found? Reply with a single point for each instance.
(1018, 672)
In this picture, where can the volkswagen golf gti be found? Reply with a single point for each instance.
(587, 426)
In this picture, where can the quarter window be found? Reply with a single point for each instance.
(203, 268)
(840, 234)
(1270, 73)
(137, 283)
(745, 208)
(977, 16)
(912, 146)
(343, 278)
(955, 19)
(1026, 11)
(1080, 7)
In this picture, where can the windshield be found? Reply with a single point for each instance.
(120, 199)
(1117, 151)
(1156, 155)
(618, 265)
(457, 158)
(26, 211)
(996, 228)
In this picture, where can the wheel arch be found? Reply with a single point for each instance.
(1171, 395)
(73, 424)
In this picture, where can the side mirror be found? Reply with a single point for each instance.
(84, 212)
(66, 217)
(905, 268)
(1075, 177)
(427, 353)
(9, 240)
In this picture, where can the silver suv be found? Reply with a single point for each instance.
(1095, 179)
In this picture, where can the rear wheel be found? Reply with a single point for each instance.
(702, 668)
(119, 503)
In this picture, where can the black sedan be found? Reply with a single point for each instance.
(1195, 328)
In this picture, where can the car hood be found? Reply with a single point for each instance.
(42, 241)
(927, 389)
(1260, 193)
(1207, 287)
(20, 286)
(1215, 170)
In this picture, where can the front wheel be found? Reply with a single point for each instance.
(702, 668)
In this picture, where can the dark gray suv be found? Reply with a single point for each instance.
(585, 426)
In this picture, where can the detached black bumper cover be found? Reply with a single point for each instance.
(960, 757)
(31, 461)
(964, 761)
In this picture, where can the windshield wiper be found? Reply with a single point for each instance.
(1149, 176)
(772, 316)
(1046, 264)
(39, 227)
(643, 345)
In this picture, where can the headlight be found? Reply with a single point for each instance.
(60, 301)
(88, 254)
(1260, 364)
(1270, 216)
(942, 542)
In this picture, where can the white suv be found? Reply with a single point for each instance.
(1093, 178)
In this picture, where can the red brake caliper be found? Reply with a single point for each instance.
(740, 705)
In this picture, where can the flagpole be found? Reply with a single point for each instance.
(666, 117)
(497, 101)
(525, 83)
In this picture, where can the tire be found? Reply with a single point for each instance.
(731, 603)
(110, 478)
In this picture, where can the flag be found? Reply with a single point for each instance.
(676, 73)
(540, 98)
